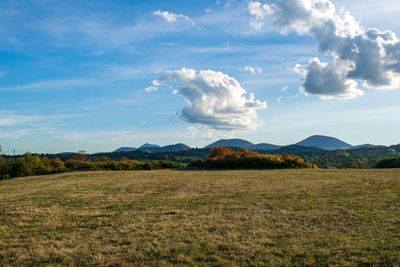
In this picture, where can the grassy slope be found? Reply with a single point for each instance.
(202, 217)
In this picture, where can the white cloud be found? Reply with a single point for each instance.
(214, 99)
(260, 11)
(254, 70)
(284, 89)
(370, 56)
(151, 89)
(156, 83)
(154, 86)
(171, 17)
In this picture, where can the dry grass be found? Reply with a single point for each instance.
(279, 217)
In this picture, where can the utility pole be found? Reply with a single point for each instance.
(1, 151)
(14, 151)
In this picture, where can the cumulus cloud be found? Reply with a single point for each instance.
(367, 56)
(214, 99)
(154, 86)
(171, 17)
(329, 80)
(254, 70)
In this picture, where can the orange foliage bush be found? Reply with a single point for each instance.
(225, 158)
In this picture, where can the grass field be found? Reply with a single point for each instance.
(273, 217)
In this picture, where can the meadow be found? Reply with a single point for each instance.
(164, 217)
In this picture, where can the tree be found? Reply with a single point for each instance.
(219, 152)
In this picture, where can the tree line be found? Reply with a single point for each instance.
(389, 163)
(30, 164)
(217, 158)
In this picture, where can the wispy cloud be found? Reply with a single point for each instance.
(16, 134)
(253, 70)
(51, 85)
(13, 118)
(171, 17)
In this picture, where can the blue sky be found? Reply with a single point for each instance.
(73, 75)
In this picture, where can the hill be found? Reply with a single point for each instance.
(169, 148)
(231, 143)
(147, 145)
(324, 142)
(125, 149)
(149, 148)
(240, 143)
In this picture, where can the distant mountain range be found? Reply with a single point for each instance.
(312, 143)
(155, 148)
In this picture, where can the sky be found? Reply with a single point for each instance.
(97, 75)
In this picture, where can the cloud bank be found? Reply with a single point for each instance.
(369, 56)
(214, 99)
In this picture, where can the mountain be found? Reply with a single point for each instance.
(170, 148)
(263, 146)
(155, 148)
(147, 145)
(175, 148)
(231, 143)
(324, 142)
(125, 149)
